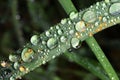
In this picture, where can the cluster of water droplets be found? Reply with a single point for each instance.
(68, 32)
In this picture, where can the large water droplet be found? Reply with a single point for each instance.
(73, 15)
(63, 39)
(75, 42)
(89, 16)
(27, 54)
(34, 39)
(52, 43)
(80, 26)
(114, 9)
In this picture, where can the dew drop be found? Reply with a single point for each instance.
(52, 43)
(73, 15)
(27, 54)
(80, 26)
(63, 21)
(104, 19)
(47, 33)
(59, 32)
(22, 68)
(34, 39)
(75, 42)
(71, 31)
(89, 16)
(16, 65)
(57, 27)
(114, 9)
(63, 39)
(13, 58)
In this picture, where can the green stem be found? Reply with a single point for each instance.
(102, 58)
(88, 64)
(69, 7)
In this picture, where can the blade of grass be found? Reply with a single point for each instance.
(88, 64)
(90, 41)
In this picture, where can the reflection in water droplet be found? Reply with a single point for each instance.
(52, 43)
(73, 15)
(34, 39)
(80, 26)
(114, 9)
(75, 42)
(89, 16)
(63, 39)
(27, 54)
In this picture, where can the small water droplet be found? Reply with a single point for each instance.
(104, 19)
(75, 42)
(73, 15)
(52, 43)
(63, 21)
(80, 26)
(53, 57)
(27, 54)
(16, 65)
(89, 16)
(71, 31)
(96, 23)
(34, 40)
(47, 33)
(13, 58)
(63, 39)
(57, 27)
(59, 32)
(114, 9)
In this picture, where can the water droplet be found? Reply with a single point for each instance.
(11, 78)
(89, 16)
(13, 58)
(63, 39)
(22, 68)
(73, 15)
(71, 31)
(63, 21)
(114, 9)
(43, 42)
(80, 26)
(16, 65)
(52, 43)
(57, 27)
(75, 42)
(34, 39)
(47, 33)
(104, 19)
(53, 57)
(104, 5)
(27, 54)
(96, 23)
(59, 32)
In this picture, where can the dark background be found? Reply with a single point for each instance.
(46, 14)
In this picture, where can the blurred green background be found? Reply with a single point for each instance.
(20, 19)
